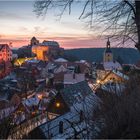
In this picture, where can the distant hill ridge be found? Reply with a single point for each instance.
(127, 55)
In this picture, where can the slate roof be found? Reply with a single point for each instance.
(50, 43)
(68, 64)
(120, 74)
(41, 87)
(87, 103)
(3, 104)
(81, 89)
(54, 126)
(100, 67)
(109, 66)
(112, 65)
(71, 78)
(61, 60)
(2, 46)
(7, 94)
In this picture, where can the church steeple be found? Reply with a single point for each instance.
(108, 43)
(108, 49)
(108, 55)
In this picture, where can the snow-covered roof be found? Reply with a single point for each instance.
(40, 80)
(50, 43)
(83, 61)
(61, 60)
(59, 69)
(31, 101)
(120, 74)
(112, 65)
(32, 61)
(80, 98)
(76, 92)
(116, 88)
(52, 127)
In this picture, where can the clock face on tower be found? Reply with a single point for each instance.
(108, 57)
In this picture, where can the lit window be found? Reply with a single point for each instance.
(57, 104)
(40, 96)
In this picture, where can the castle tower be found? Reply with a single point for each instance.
(108, 55)
(34, 41)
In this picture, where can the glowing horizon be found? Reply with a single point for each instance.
(18, 24)
(65, 42)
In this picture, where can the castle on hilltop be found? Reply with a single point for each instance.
(47, 50)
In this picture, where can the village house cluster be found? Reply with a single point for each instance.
(6, 56)
(47, 96)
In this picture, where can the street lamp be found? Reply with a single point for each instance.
(98, 81)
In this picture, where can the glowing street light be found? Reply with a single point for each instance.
(98, 81)
(40, 96)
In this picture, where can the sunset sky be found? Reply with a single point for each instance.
(18, 24)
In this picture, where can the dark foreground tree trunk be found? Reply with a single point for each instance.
(137, 4)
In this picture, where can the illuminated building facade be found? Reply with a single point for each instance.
(5, 53)
(41, 52)
(48, 50)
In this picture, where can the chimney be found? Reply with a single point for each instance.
(73, 75)
(60, 127)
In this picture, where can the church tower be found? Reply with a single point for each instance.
(108, 55)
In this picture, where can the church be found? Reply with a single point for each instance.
(109, 63)
(109, 69)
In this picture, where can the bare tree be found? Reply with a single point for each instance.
(5, 127)
(121, 113)
(120, 19)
